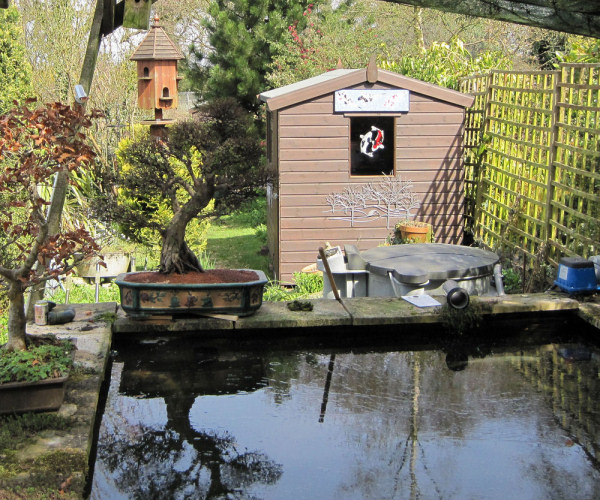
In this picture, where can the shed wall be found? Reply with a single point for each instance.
(314, 162)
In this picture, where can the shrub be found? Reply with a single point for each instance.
(36, 363)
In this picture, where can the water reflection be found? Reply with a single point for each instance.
(148, 447)
(187, 421)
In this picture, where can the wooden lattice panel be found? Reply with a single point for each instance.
(474, 121)
(519, 130)
(537, 189)
(575, 204)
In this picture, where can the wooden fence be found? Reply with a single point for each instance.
(533, 162)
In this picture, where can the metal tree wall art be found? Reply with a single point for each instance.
(391, 198)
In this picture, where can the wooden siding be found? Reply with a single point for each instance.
(313, 159)
(161, 74)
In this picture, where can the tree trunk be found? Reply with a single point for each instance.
(16, 318)
(175, 255)
(418, 28)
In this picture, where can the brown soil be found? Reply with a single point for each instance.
(208, 276)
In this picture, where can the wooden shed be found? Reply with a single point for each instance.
(339, 144)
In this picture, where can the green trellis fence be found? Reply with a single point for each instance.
(532, 162)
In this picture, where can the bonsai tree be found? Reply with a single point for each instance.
(34, 146)
(164, 184)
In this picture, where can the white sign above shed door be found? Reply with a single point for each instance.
(372, 101)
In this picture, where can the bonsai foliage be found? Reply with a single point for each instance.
(166, 184)
(34, 146)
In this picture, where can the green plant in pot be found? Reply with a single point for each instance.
(35, 379)
(166, 185)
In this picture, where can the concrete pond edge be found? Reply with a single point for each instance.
(57, 461)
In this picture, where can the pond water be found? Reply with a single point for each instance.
(186, 418)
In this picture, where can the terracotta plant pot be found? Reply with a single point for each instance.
(193, 293)
(414, 233)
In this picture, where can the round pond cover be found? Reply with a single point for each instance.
(418, 263)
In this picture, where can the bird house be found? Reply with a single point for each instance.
(157, 58)
(136, 14)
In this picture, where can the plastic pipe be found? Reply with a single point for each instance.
(498, 279)
(457, 297)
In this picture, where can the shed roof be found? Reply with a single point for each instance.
(342, 78)
(157, 46)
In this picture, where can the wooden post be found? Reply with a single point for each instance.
(108, 18)
(61, 183)
(552, 157)
(480, 172)
(372, 69)
(329, 274)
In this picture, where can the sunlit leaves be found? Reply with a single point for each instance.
(445, 64)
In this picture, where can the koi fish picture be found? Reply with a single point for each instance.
(372, 145)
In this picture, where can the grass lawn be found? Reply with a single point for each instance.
(235, 244)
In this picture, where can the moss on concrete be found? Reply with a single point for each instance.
(27, 468)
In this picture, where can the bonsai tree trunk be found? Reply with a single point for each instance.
(16, 318)
(175, 255)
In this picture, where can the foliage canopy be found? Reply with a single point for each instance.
(241, 34)
(15, 72)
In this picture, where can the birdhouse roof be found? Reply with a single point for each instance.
(157, 46)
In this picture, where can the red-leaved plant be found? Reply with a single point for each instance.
(35, 145)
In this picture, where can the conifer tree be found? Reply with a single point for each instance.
(241, 34)
(15, 72)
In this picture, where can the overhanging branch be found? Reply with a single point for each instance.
(579, 17)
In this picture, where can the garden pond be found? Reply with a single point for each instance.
(341, 415)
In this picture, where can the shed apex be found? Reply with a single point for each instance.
(304, 84)
(157, 46)
(344, 78)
